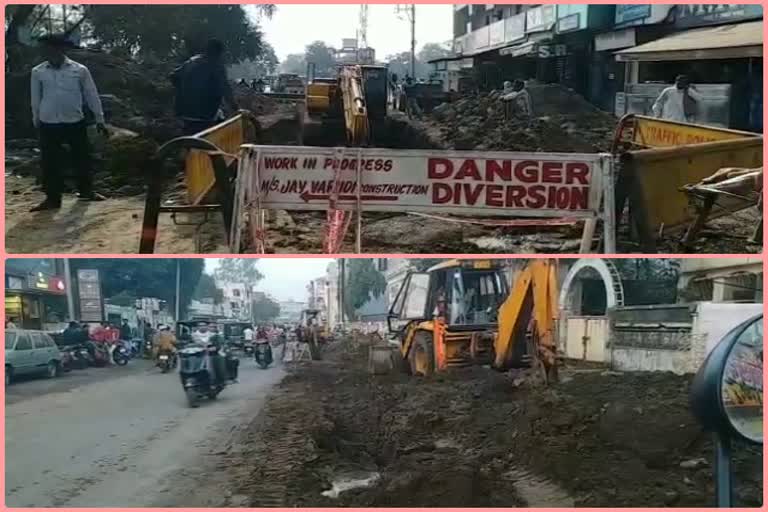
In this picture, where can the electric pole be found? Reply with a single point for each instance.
(413, 41)
(178, 289)
(69, 290)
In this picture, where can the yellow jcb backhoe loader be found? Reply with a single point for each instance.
(357, 96)
(461, 313)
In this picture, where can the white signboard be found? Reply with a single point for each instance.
(452, 182)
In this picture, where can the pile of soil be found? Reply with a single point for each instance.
(137, 98)
(478, 438)
(563, 121)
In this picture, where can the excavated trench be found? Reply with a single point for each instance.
(334, 435)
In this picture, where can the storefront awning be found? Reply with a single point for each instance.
(724, 42)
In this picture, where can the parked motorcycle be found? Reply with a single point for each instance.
(120, 355)
(263, 354)
(81, 358)
(99, 354)
(198, 376)
(65, 359)
(167, 361)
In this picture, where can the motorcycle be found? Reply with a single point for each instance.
(66, 359)
(167, 361)
(147, 349)
(198, 376)
(120, 355)
(80, 357)
(248, 348)
(263, 354)
(99, 354)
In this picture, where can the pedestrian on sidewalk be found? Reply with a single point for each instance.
(59, 88)
(201, 86)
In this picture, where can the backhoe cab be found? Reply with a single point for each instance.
(461, 313)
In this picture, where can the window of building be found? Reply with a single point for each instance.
(236, 293)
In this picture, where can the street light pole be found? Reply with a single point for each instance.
(413, 41)
(68, 287)
(178, 290)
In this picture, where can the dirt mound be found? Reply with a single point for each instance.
(475, 437)
(563, 122)
(132, 92)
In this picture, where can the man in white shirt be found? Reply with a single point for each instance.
(59, 88)
(248, 335)
(678, 103)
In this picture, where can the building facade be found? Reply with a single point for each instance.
(290, 311)
(237, 301)
(619, 57)
(722, 280)
(35, 293)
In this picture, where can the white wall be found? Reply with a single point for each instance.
(712, 322)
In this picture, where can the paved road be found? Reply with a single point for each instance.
(128, 440)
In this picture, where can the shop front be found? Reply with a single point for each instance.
(724, 61)
(633, 24)
(574, 31)
(35, 301)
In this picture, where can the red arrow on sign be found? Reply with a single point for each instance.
(307, 197)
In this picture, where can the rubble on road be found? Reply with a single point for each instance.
(563, 122)
(475, 437)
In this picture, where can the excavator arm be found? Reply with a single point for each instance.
(529, 315)
(355, 109)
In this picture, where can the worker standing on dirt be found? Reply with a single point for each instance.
(59, 88)
(679, 102)
(201, 85)
(518, 101)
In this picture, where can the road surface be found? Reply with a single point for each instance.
(128, 440)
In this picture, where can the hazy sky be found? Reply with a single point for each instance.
(284, 279)
(294, 26)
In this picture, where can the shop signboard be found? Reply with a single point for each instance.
(569, 23)
(540, 18)
(497, 33)
(89, 295)
(632, 12)
(514, 28)
(615, 40)
(694, 15)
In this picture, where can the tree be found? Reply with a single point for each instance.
(294, 63)
(238, 270)
(431, 51)
(265, 309)
(207, 289)
(400, 63)
(263, 65)
(322, 56)
(173, 31)
(136, 278)
(364, 282)
(648, 269)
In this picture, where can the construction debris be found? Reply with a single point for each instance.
(563, 122)
(472, 438)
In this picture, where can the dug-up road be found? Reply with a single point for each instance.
(127, 439)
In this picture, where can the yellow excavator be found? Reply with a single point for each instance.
(461, 313)
(357, 96)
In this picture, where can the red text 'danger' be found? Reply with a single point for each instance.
(525, 171)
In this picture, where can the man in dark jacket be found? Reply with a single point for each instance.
(201, 85)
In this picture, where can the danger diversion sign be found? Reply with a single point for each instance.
(450, 182)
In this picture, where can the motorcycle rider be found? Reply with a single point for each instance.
(204, 336)
(262, 337)
(164, 343)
